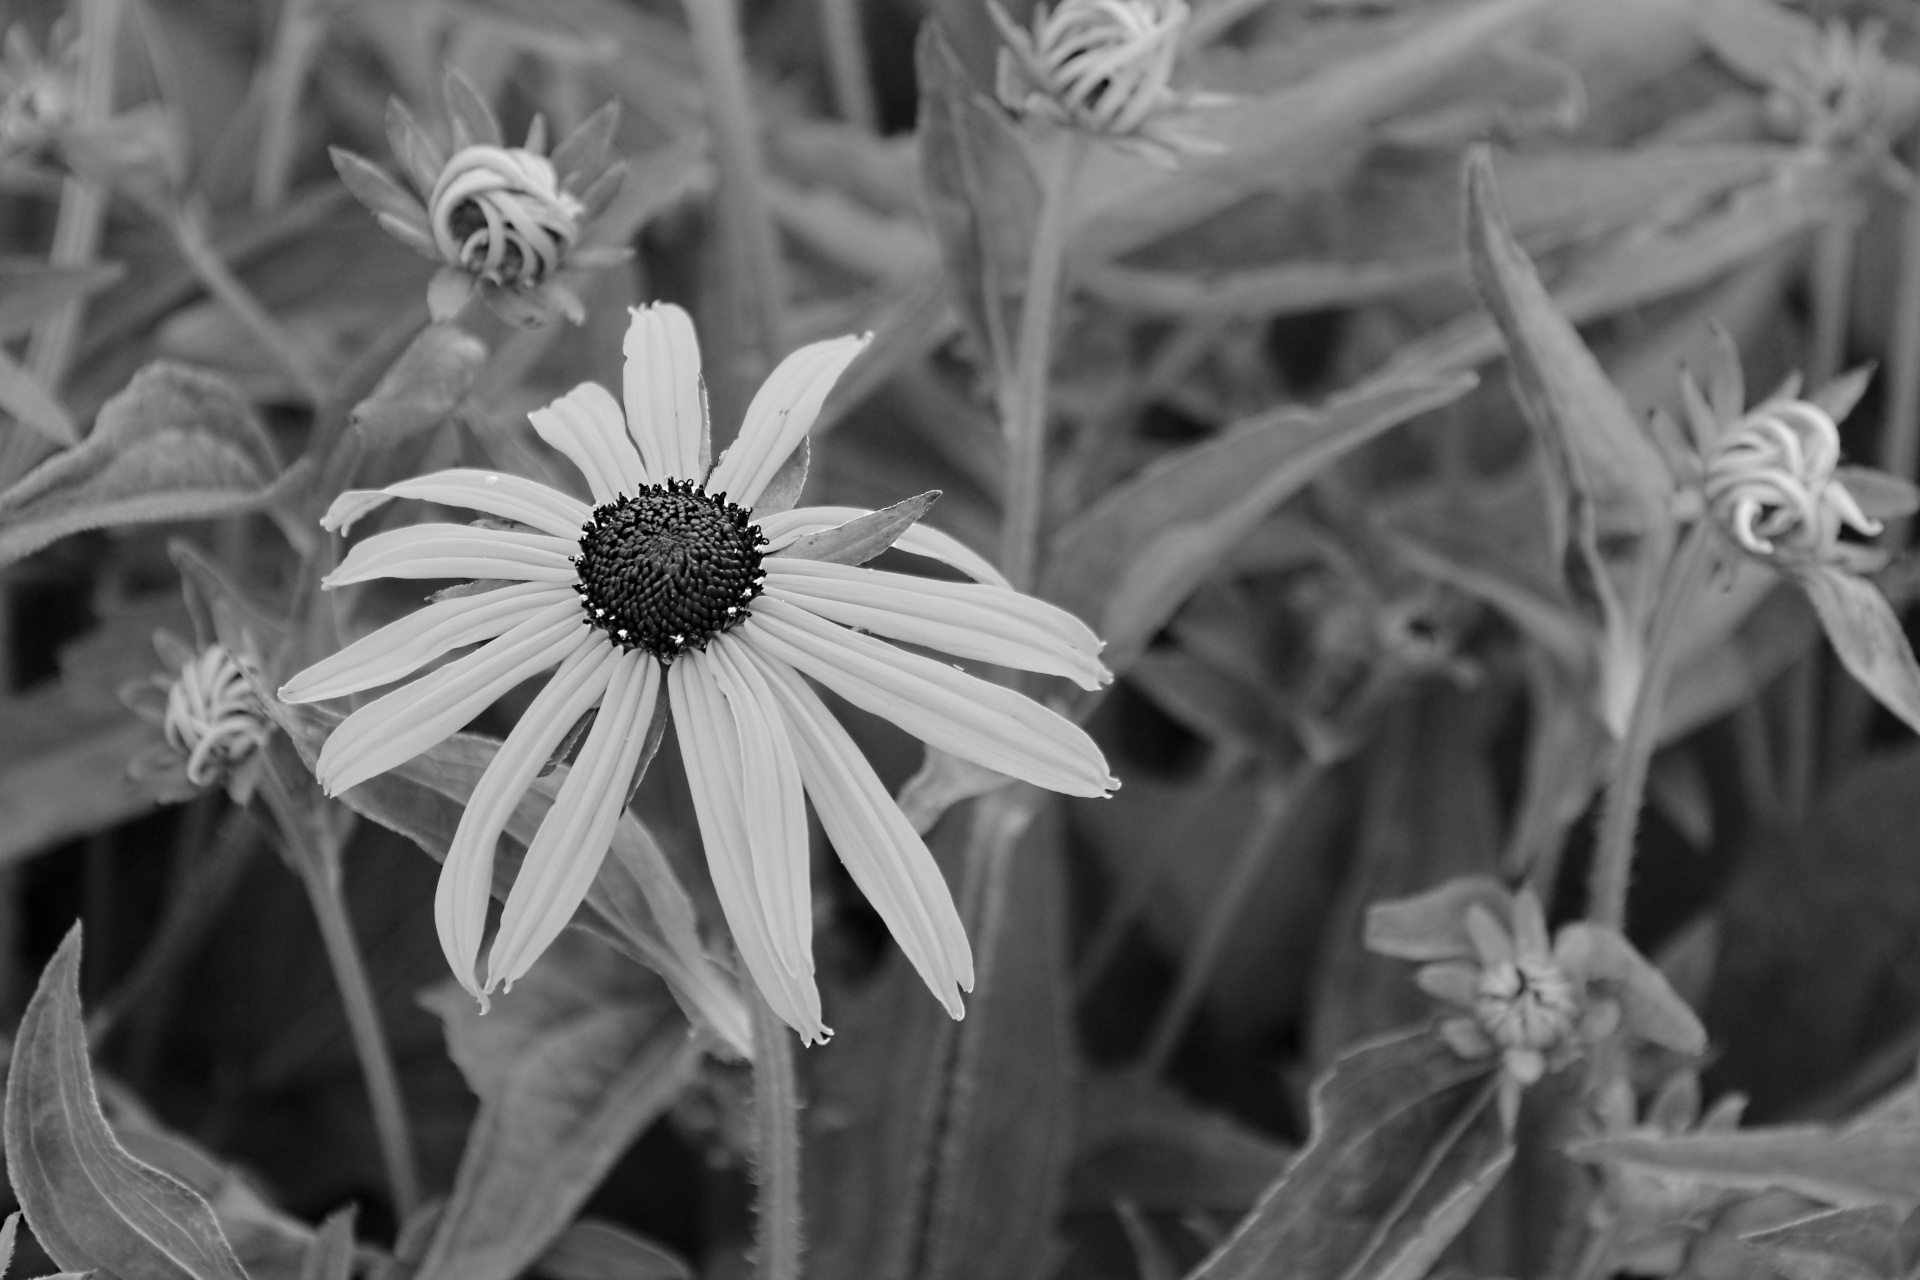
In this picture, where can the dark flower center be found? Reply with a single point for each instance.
(466, 218)
(668, 568)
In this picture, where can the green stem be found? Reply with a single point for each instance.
(1900, 447)
(1023, 401)
(317, 861)
(776, 1113)
(746, 222)
(847, 63)
(1620, 816)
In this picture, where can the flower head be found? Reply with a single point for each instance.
(1536, 1002)
(691, 583)
(1104, 67)
(1770, 484)
(498, 213)
(212, 721)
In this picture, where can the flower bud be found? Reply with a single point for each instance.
(36, 93)
(1770, 484)
(212, 716)
(499, 213)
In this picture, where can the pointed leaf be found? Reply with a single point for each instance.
(1840, 1244)
(414, 148)
(91, 1205)
(1432, 925)
(473, 120)
(1876, 1164)
(1866, 634)
(864, 537)
(594, 1250)
(581, 157)
(383, 197)
(783, 491)
(27, 400)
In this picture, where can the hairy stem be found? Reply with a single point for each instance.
(1023, 402)
(776, 1124)
(1620, 816)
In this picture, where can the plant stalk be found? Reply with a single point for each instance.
(776, 1124)
(1620, 816)
(1023, 401)
(847, 63)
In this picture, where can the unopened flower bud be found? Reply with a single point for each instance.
(1770, 484)
(212, 716)
(499, 213)
(36, 94)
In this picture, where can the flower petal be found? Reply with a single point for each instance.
(396, 727)
(784, 527)
(782, 413)
(966, 619)
(404, 646)
(456, 551)
(666, 401)
(494, 492)
(572, 841)
(881, 851)
(587, 426)
(776, 820)
(985, 723)
(466, 881)
(710, 749)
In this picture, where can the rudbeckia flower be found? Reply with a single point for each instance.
(688, 582)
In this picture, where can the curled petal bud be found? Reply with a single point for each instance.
(499, 213)
(212, 717)
(1770, 484)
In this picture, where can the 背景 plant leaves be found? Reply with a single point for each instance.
(27, 400)
(91, 1205)
(1866, 634)
(175, 444)
(1847, 1166)
(1127, 562)
(1401, 1122)
(1146, 1145)
(31, 288)
(571, 1066)
(595, 1250)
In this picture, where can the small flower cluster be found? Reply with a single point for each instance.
(507, 222)
(1102, 67)
(212, 721)
(1834, 92)
(1538, 1002)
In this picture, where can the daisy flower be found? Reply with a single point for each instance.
(679, 582)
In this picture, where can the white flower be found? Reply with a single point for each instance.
(673, 583)
(500, 214)
(1770, 483)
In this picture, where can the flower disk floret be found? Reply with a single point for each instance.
(697, 563)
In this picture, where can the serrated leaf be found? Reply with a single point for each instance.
(571, 1067)
(1126, 563)
(1401, 1122)
(864, 537)
(423, 386)
(1866, 634)
(176, 444)
(595, 1250)
(91, 1205)
(1878, 1164)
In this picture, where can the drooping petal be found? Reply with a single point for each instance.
(985, 723)
(587, 426)
(403, 646)
(886, 858)
(776, 819)
(711, 752)
(781, 414)
(456, 551)
(966, 619)
(784, 527)
(572, 841)
(496, 493)
(666, 402)
(466, 881)
(396, 727)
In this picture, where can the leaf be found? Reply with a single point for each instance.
(1866, 634)
(423, 386)
(980, 192)
(594, 1250)
(27, 400)
(1840, 1244)
(1401, 1122)
(473, 120)
(784, 489)
(942, 781)
(864, 537)
(383, 197)
(91, 1205)
(1128, 561)
(571, 1067)
(582, 155)
(1145, 1145)
(176, 444)
(1875, 1164)
(31, 289)
(331, 1255)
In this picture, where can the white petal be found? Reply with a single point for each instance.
(882, 852)
(403, 646)
(785, 527)
(781, 414)
(966, 619)
(711, 752)
(776, 813)
(985, 723)
(466, 881)
(456, 551)
(586, 425)
(572, 841)
(396, 727)
(494, 492)
(666, 403)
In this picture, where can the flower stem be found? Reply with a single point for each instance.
(847, 63)
(1023, 400)
(746, 223)
(776, 1114)
(1620, 816)
(317, 862)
